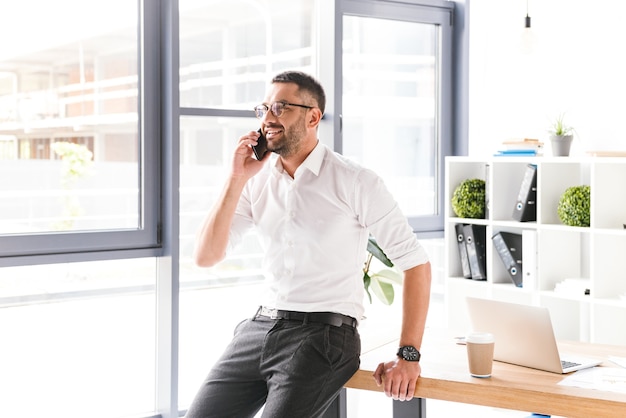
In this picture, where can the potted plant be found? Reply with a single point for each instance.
(468, 199)
(574, 208)
(380, 283)
(561, 136)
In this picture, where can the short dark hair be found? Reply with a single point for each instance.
(304, 82)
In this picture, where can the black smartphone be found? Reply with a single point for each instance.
(260, 149)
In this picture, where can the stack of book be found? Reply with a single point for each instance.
(521, 147)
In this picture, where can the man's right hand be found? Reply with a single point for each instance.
(244, 165)
(212, 238)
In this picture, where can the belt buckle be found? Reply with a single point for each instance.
(269, 312)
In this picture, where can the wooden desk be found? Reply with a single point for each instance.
(445, 376)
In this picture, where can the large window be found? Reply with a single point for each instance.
(77, 159)
(78, 339)
(396, 101)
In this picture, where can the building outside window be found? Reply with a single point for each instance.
(69, 103)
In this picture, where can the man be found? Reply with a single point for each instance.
(314, 211)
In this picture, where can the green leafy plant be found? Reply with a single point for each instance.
(77, 161)
(468, 199)
(380, 283)
(575, 205)
(559, 128)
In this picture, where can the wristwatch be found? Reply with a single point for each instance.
(409, 353)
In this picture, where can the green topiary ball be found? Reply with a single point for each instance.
(468, 199)
(574, 206)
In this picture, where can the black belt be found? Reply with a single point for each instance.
(329, 318)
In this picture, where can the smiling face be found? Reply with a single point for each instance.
(292, 132)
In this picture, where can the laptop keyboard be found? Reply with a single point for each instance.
(567, 364)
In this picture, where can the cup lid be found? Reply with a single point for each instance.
(480, 337)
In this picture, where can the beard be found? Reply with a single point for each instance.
(290, 141)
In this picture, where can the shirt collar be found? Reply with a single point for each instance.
(313, 162)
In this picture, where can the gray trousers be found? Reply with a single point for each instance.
(295, 369)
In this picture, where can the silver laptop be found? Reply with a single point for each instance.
(524, 336)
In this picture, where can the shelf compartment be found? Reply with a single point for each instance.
(609, 268)
(560, 256)
(613, 321)
(570, 317)
(456, 173)
(608, 200)
(552, 181)
(505, 183)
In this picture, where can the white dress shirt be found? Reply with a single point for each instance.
(314, 228)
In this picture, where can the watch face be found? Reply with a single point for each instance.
(410, 353)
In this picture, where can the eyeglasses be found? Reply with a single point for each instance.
(277, 109)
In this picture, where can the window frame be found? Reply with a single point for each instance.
(439, 13)
(67, 246)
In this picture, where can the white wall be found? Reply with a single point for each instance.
(577, 67)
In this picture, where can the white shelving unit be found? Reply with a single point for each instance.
(597, 253)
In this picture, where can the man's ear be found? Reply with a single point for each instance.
(315, 116)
